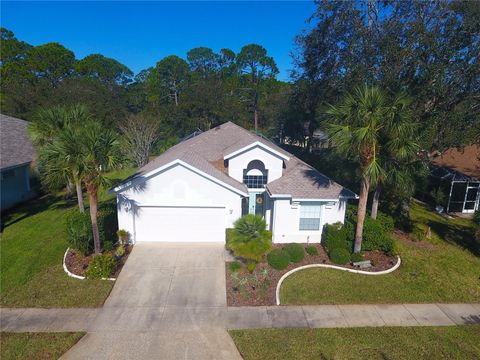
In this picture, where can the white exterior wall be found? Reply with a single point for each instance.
(286, 220)
(272, 162)
(176, 186)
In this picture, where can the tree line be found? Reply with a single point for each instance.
(384, 80)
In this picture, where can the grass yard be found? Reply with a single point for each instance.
(456, 342)
(32, 248)
(442, 269)
(38, 346)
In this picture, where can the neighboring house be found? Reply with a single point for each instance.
(16, 156)
(458, 176)
(199, 187)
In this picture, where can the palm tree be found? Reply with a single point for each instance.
(399, 149)
(54, 133)
(60, 161)
(356, 133)
(99, 153)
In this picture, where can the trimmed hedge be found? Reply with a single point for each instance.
(336, 236)
(339, 256)
(296, 252)
(278, 259)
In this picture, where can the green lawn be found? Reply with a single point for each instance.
(38, 346)
(32, 248)
(442, 269)
(456, 342)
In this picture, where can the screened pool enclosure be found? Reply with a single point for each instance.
(461, 192)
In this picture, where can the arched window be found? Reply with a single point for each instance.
(255, 175)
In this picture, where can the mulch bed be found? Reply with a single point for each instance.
(258, 289)
(407, 239)
(77, 263)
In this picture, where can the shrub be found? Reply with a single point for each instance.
(79, 231)
(311, 250)
(101, 267)
(250, 239)
(123, 236)
(418, 233)
(278, 259)
(120, 251)
(375, 237)
(251, 266)
(234, 266)
(335, 236)
(295, 252)
(386, 222)
(107, 246)
(107, 220)
(356, 257)
(476, 217)
(79, 227)
(339, 256)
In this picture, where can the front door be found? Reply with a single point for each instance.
(256, 204)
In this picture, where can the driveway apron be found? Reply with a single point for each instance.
(169, 302)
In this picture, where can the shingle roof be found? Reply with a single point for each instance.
(207, 150)
(15, 144)
(465, 161)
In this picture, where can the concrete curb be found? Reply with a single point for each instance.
(287, 274)
(77, 276)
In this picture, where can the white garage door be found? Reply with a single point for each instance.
(180, 224)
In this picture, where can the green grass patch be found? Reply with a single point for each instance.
(442, 269)
(456, 342)
(33, 243)
(38, 346)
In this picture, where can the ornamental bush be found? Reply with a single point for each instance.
(250, 238)
(339, 256)
(101, 267)
(376, 238)
(311, 250)
(356, 257)
(79, 227)
(296, 252)
(79, 231)
(335, 236)
(278, 259)
(234, 266)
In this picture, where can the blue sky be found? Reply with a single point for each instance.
(139, 34)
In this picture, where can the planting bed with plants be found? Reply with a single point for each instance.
(78, 263)
(251, 280)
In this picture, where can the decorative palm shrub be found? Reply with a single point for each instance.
(296, 252)
(278, 259)
(123, 236)
(250, 238)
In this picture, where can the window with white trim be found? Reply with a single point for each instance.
(309, 216)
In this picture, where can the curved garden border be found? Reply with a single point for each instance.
(287, 274)
(77, 276)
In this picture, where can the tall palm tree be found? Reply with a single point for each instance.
(99, 153)
(54, 133)
(60, 162)
(356, 133)
(399, 149)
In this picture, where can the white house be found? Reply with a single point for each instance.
(199, 187)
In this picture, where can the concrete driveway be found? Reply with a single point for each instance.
(184, 275)
(169, 302)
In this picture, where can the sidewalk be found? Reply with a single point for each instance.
(159, 319)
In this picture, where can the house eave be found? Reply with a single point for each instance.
(252, 145)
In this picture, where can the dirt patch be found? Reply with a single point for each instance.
(77, 263)
(406, 239)
(258, 288)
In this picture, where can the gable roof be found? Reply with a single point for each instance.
(466, 161)
(207, 150)
(16, 148)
